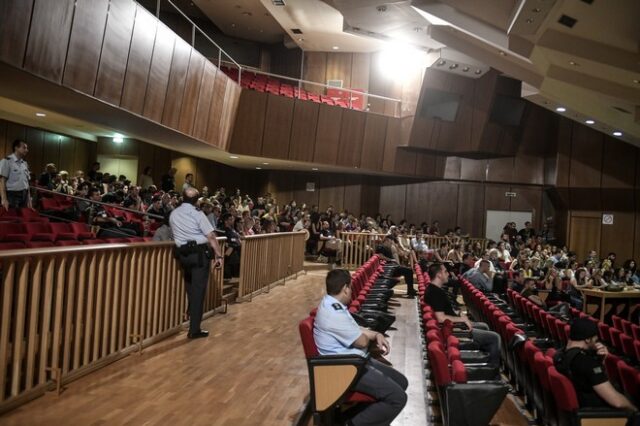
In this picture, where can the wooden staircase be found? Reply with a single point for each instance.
(230, 290)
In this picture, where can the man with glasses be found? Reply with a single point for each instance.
(336, 333)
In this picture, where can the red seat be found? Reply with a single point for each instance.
(39, 244)
(30, 215)
(630, 380)
(93, 241)
(635, 331)
(13, 232)
(81, 230)
(50, 204)
(11, 246)
(627, 346)
(62, 243)
(62, 231)
(611, 367)
(39, 231)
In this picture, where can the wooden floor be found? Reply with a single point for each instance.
(250, 371)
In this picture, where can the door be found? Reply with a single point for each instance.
(584, 235)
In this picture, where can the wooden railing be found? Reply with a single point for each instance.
(357, 247)
(65, 312)
(268, 259)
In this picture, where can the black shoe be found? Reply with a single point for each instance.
(198, 335)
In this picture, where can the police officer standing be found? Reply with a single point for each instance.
(195, 239)
(14, 178)
(335, 332)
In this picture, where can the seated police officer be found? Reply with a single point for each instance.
(438, 299)
(195, 238)
(335, 332)
(581, 362)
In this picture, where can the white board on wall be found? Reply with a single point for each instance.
(496, 219)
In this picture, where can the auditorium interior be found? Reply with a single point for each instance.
(473, 165)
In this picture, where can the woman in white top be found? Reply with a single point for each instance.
(145, 180)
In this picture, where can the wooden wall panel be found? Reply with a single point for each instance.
(177, 80)
(300, 193)
(332, 191)
(351, 138)
(216, 108)
(405, 162)
(159, 73)
(185, 165)
(315, 69)
(563, 157)
(5, 145)
(618, 164)
(277, 127)
(204, 101)
(586, 158)
(14, 23)
(453, 168)
(528, 169)
(375, 131)
(191, 92)
(471, 208)
(139, 62)
(303, 130)
(360, 68)
(85, 45)
(370, 199)
(529, 198)
(49, 38)
(494, 198)
(339, 68)
(584, 233)
(443, 204)
(115, 51)
(249, 126)
(473, 169)
(500, 169)
(67, 154)
(352, 198)
(328, 134)
(81, 155)
(35, 141)
(615, 237)
(229, 113)
(418, 198)
(392, 201)
(391, 143)
(51, 151)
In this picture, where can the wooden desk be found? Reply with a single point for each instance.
(603, 295)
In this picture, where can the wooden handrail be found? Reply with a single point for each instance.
(69, 311)
(268, 259)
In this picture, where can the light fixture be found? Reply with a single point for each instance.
(502, 53)
(589, 122)
(266, 164)
(636, 81)
(397, 61)
(315, 169)
(258, 168)
(300, 39)
(529, 21)
(453, 66)
(536, 10)
(335, 47)
(561, 109)
(441, 62)
(617, 133)
(574, 63)
(40, 114)
(465, 69)
(234, 157)
(117, 138)
(478, 72)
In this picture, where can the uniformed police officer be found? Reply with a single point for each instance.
(195, 239)
(335, 332)
(581, 362)
(14, 178)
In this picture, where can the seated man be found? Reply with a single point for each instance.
(437, 298)
(480, 276)
(385, 252)
(581, 362)
(530, 291)
(336, 332)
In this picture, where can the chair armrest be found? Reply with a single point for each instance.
(331, 377)
(602, 412)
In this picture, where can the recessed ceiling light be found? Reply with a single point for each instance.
(258, 168)
(300, 39)
(233, 156)
(529, 21)
(453, 66)
(590, 122)
(536, 10)
(233, 25)
(336, 47)
(574, 63)
(315, 169)
(40, 114)
(636, 81)
(478, 72)
(247, 13)
(266, 164)
(617, 133)
(502, 53)
(465, 69)
(561, 109)
(117, 138)
(441, 62)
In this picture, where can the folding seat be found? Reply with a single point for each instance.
(13, 232)
(636, 348)
(327, 374)
(11, 246)
(50, 204)
(39, 244)
(39, 231)
(603, 333)
(611, 367)
(467, 402)
(543, 402)
(91, 241)
(81, 230)
(29, 215)
(626, 327)
(635, 331)
(62, 243)
(614, 334)
(617, 322)
(630, 378)
(62, 231)
(627, 347)
(9, 215)
(569, 412)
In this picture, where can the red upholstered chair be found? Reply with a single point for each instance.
(627, 327)
(13, 232)
(39, 231)
(630, 380)
(570, 413)
(64, 243)
(82, 231)
(627, 347)
(93, 241)
(635, 331)
(603, 333)
(614, 334)
(29, 215)
(338, 372)
(11, 246)
(39, 244)
(62, 231)
(611, 367)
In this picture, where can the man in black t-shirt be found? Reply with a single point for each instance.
(581, 362)
(385, 252)
(438, 299)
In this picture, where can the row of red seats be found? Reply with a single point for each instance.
(263, 83)
(459, 372)
(540, 379)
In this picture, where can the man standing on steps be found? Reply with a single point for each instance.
(14, 178)
(195, 240)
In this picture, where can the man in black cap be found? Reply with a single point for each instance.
(581, 362)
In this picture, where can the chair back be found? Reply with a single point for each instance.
(563, 391)
(306, 335)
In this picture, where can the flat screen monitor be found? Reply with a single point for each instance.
(440, 105)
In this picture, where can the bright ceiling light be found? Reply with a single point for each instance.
(118, 138)
(233, 157)
(258, 168)
(40, 114)
(266, 164)
(617, 133)
(315, 169)
(397, 61)
(336, 47)
(561, 109)
(589, 122)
